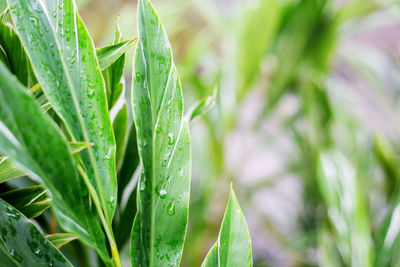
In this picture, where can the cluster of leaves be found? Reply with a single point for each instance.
(66, 128)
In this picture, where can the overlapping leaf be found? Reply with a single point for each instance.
(164, 147)
(23, 243)
(233, 247)
(64, 60)
(32, 140)
(15, 57)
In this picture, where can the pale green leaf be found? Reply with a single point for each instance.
(163, 138)
(233, 247)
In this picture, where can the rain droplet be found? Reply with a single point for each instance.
(163, 193)
(171, 139)
(142, 185)
(180, 171)
(171, 208)
(158, 129)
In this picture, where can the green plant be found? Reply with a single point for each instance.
(65, 124)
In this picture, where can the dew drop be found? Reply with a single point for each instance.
(171, 208)
(158, 129)
(142, 185)
(162, 193)
(171, 139)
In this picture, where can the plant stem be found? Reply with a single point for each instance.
(106, 226)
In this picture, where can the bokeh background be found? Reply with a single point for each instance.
(306, 125)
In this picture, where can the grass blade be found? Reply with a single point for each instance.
(163, 138)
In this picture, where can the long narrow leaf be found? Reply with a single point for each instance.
(31, 139)
(64, 59)
(20, 239)
(163, 138)
(233, 247)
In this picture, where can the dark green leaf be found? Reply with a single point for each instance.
(61, 239)
(24, 243)
(64, 59)
(233, 247)
(30, 201)
(16, 58)
(163, 138)
(30, 138)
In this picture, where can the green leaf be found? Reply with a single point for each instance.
(30, 201)
(163, 138)
(25, 245)
(61, 239)
(233, 247)
(8, 170)
(109, 54)
(16, 58)
(127, 187)
(202, 107)
(115, 88)
(31, 139)
(64, 59)
(121, 133)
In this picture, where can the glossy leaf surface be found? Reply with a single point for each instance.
(163, 138)
(30, 201)
(233, 247)
(23, 243)
(64, 59)
(31, 139)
